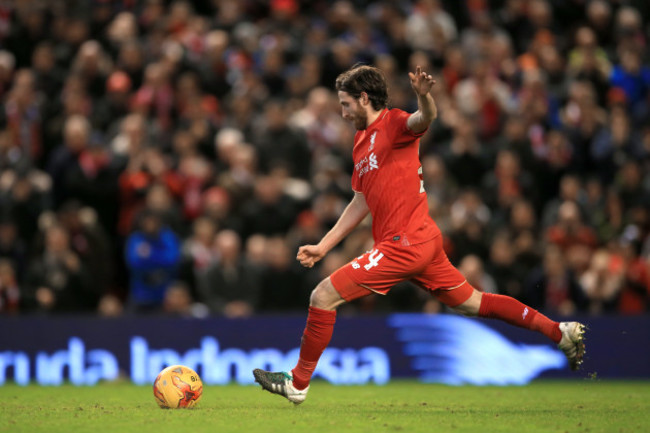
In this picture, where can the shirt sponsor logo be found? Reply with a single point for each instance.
(367, 164)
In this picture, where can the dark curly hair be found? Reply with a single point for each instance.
(363, 78)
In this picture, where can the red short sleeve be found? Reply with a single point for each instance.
(403, 135)
(356, 183)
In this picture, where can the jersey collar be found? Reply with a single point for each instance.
(379, 118)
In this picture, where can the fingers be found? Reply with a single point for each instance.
(307, 262)
(421, 75)
(305, 257)
(303, 252)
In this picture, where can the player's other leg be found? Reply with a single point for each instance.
(316, 336)
(569, 336)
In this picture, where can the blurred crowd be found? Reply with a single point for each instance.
(170, 156)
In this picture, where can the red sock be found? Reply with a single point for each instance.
(315, 338)
(514, 312)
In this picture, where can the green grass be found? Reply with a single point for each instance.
(575, 406)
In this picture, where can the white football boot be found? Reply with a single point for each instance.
(572, 343)
(280, 383)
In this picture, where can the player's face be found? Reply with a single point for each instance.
(352, 111)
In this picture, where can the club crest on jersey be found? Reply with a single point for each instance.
(366, 164)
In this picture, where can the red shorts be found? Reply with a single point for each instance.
(389, 263)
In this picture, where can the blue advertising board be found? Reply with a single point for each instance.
(434, 348)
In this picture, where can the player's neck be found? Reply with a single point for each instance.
(372, 116)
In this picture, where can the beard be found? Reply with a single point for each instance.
(360, 120)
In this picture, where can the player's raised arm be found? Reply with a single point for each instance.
(353, 214)
(422, 83)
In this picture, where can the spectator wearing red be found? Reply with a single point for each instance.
(569, 230)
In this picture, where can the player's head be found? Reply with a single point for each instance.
(361, 88)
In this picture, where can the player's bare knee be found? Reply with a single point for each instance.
(467, 312)
(320, 299)
(325, 296)
(470, 307)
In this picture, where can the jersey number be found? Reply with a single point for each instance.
(421, 179)
(373, 259)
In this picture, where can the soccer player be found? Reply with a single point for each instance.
(387, 182)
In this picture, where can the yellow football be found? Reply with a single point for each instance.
(176, 387)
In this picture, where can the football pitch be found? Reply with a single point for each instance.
(543, 406)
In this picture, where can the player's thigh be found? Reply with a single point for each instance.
(377, 271)
(443, 280)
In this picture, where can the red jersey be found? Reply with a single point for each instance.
(388, 173)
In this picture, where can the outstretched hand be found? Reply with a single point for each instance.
(421, 82)
(308, 255)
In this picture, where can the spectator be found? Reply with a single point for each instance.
(599, 15)
(240, 177)
(9, 290)
(283, 282)
(146, 167)
(515, 139)
(90, 242)
(464, 160)
(155, 98)
(229, 286)
(430, 27)
(483, 97)
(7, 64)
(635, 292)
(91, 178)
(522, 218)
(24, 196)
(110, 306)
(116, 103)
(553, 288)
(12, 247)
(49, 76)
(555, 162)
(589, 62)
(630, 187)
(472, 268)
(603, 281)
(130, 59)
(569, 230)
(279, 144)
(178, 301)
(93, 66)
(217, 206)
(570, 189)
(615, 144)
(507, 272)
(213, 70)
(57, 280)
(633, 78)
(22, 115)
(320, 121)
(77, 135)
(609, 219)
(270, 212)
(198, 254)
(152, 256)
(507, 183)
(131, 139)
